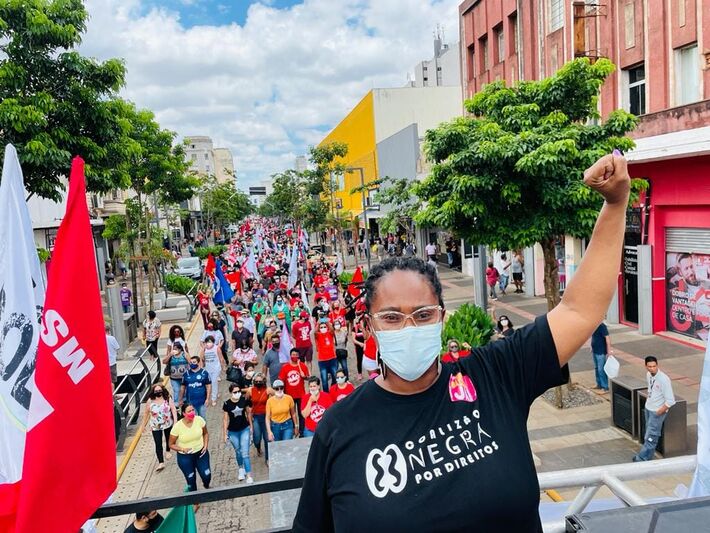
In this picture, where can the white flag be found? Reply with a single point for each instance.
(339, 267)
(286, 345)
(21, 301)
(293, 267)
(701, 479)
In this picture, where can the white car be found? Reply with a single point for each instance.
(189, 267)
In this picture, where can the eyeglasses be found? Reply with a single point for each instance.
(394, 320)
(278, 388)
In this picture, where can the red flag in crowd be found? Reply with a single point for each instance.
(210, 266)
(69, 467)
(357, 279)
(235, 278)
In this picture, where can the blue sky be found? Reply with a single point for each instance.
(265, 79)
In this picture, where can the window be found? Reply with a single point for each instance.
(556, 14)
(471, 62)
(513, 32)
(207, 157)
(687, 75)
(500, 43)
(193, 157)
(425, 69)
(426, 79)
(483, 46)
(637, 89)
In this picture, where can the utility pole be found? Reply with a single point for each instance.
(364, 212)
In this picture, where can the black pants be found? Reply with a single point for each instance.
(359, 350)
(152, 347)
(301, 421)
(158, 439)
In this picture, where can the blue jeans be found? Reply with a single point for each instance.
(308, 432)
(260, 433)
(654, 426)
(283, 430)
(503, 282)
(126, 308)
(602, 379)
(176, 384)
(191, 462)
(240, 442)
(327, 367)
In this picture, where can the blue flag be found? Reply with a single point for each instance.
(223, 292)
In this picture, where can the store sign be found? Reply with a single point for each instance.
(688, 294)
(633, 220)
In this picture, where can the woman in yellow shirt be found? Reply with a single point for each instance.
(189, 438)
(281, 416)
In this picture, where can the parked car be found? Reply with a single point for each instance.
(189, 267)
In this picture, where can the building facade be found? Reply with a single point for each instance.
(662, 52)
(442, 70)
(224, 165)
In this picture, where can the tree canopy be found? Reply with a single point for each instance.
(224, 203)
(510, 175)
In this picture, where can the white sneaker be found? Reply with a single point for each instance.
(250, 480)
(242, 473)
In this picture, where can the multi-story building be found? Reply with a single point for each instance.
(300, 164)
(224, 165)
(442, 70)
(662, 52)
(384, 132)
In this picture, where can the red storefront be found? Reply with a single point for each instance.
(677, 226)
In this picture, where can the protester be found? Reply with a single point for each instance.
(214, 365)
(112, 346)
(455, 353)
(405, 437)
(243, 354)
(203, 300)
(492, 276)
(601, 348)
(659, 401)
(214, 332)
(189, 438)
(343, 387)
(302, 338)
(241, 336)
(272, 361)
(176, 366)
(340, 333)
(125, 295)
(293, 374)
(316, 404)
(237, 429)
(504, 327)
(160, 415)
(281, 418)
(145, 522)
(151, 333)
(325, 347)
(176, 335)
(259, 394)
(249, 371)
(196, 387)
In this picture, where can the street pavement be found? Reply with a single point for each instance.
(560, 439)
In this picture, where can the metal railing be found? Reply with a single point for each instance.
(192, 301)
(589, 479)
(134, 396)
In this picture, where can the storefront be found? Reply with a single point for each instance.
(677, 227)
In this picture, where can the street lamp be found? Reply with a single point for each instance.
(364, 211)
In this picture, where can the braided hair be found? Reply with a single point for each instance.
(412, 264)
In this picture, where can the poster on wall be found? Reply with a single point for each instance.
(688, 294)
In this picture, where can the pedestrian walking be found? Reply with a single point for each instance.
(516, 268)
(125, 295)
(492, 276)
(272, 362)
(504, 273)
(214, 365)
(504, 327)
(358, 335)
(259, 394)
(294, 374)
(203, 301)
(160, 416)
(151, 333)
(196, 387)
(122, 268)
(176, 366)
(342, 388)
(237, 429)
(113, 347)
(340, 333)
(145, 522)
(189, 438)
(281, 418)
(659, 401)
(327, 359)
(601, 348)
(176, 335)
(316, 404)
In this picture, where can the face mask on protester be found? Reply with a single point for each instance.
(236, 395)
(279, 393)
(194, 366)
(323, 330)
(341, 380)
(259, 384)
(294, 359)
(209, 345)
(504, 323)
(410, 351)
(190, 415)
(337, 325)
(250, 374)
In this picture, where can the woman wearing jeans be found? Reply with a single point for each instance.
(259, 394)
(237, 429)
(281, 417)
(160, 415)
(189, 438)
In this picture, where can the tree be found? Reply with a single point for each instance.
(55, 103)
(398, 196)
(510, 175)
(224, 203)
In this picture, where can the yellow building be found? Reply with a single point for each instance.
(383, 133)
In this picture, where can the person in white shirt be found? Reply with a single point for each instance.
(112, 346)
(660, 400)
(430, 250)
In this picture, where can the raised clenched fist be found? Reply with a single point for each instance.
(610, 177)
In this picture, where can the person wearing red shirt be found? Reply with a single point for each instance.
(454, 353)
(337, 312)
(293, 375)
(325, 347)
(318, 402)
(204, 304)
(342, 388)
(301, 330)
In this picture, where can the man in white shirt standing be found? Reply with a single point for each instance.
(660, 400)
(430, 250)
(112, 347)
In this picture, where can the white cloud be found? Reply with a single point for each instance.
(271, 87)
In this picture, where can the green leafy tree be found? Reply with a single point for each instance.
(402, 205)
(225, 204)
(55, 103)
(510, 175)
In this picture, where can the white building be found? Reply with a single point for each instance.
(224, 165)
(443, 70)
(301, 163)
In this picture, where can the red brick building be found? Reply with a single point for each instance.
(662, 52)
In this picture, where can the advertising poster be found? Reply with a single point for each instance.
(688, 294)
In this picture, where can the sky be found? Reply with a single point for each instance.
(266, 79)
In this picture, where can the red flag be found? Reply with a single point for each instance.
(357, 278)
(69, 466)
(235, 278)
(210, 266)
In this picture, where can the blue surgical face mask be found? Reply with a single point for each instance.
(409, 352)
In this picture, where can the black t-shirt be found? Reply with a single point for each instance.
(426, 463)
(243, 336)
(152, 526)
(237, 413)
